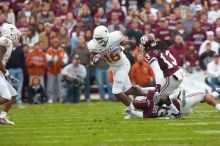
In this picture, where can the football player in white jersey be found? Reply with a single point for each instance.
(110, 46)
(9, 36)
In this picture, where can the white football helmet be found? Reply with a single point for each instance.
(100, 34)
(10, 31)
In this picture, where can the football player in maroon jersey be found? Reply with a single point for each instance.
(148, 109)
(157, 55)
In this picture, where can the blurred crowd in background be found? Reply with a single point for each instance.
(52, 60)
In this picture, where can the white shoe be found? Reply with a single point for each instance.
(182, 97)
(128, 115)
(6, 121)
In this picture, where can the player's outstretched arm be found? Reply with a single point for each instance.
(128, 45)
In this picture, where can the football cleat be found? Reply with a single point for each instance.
(6, 121)
(182, 98)
(128, 115)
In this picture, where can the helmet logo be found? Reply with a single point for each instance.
(144, 40)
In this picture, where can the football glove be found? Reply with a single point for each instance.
(95, 60)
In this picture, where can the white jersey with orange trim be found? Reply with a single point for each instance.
(114, 40)
(6, 42)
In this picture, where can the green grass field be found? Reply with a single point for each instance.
(102, 124)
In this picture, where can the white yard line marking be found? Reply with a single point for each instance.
(195, 123)
(113, 140)
(208, 132)
(206, 111)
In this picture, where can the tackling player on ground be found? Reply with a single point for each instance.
(150, 110)
(109, 46)
(160, 59)
(9, 36)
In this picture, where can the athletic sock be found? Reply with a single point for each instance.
(173, 108)
(138, 114)
(131, 107)
(3, 114)
(217, 107)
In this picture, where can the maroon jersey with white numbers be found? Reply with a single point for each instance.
(165, 59)
(154, 111)
(150, 110)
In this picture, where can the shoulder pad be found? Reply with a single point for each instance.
(116, 36)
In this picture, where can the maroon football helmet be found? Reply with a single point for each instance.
(142, 102)
(146, 42)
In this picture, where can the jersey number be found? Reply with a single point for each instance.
(169, 63)
(112, 58)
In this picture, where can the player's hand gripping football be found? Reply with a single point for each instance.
(95, 59)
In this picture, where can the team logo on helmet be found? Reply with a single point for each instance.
(146, 42)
